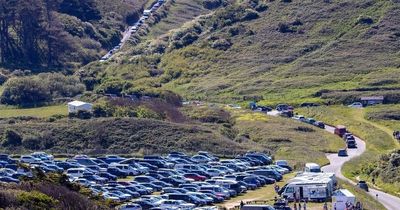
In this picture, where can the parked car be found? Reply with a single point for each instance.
(356, 105)
(283, 164)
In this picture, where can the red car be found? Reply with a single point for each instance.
(195, 177)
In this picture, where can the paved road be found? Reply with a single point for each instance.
(127, 34)
(389, 201)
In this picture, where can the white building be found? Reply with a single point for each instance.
(76, 106)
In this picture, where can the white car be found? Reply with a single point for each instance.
(177, 204)
(29, 159)
(356, 105)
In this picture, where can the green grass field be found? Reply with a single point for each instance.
(378, 139)
(42, 112)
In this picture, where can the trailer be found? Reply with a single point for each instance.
(310, 186)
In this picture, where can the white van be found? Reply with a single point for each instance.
(125, 167)
(312, 167)
(75, 172)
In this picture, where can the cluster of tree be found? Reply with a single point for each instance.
(48, 191)
(39, 89)
(59, 34)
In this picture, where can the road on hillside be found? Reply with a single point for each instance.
(389, 201)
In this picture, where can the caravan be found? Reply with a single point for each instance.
(310, 186)
(312, 167)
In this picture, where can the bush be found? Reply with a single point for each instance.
(31, 142)
(36, 200)
(250, 14)
(25, 91)
(11, 138)
(39, 89)
(113, 86)
(221, 44)
(365, 20)
(211, 4)
(3, 78)
(261, 7)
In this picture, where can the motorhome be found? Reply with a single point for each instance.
(315, 190)
(312, 167)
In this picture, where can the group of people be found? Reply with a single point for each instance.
(396, 135)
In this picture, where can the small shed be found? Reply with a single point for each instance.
(76, 106)
(372, 100)
(342, 197)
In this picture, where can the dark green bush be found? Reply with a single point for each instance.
(36, 200)
(211, 4)
(11, 138)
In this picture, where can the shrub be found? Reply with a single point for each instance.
(3, 78)
(211, 4)
(11, 138)
(285, 28)
(250, 14)
(113, 86)
(31, 142)
(365, 20)
(36, 200)
(261, 7)
(221, 44)
(25, 91)
(39, 89)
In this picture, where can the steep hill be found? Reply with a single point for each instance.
(291, 51)
(44, 35)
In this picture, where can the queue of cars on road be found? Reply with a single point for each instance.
(182, 181)
(133, 29)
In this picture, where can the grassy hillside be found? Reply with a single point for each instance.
(47, 111)
(378, 138)
(286, 52)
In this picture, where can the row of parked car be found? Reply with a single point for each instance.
(133, 29)
(182, 181)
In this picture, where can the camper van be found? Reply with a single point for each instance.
(340, 130)
(315, 190)
(312, 167)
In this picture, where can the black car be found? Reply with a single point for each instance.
(146, 204)
(173, 181)
(363, 185)
(319, 124)
(117, 172)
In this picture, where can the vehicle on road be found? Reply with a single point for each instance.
(312, 167)
(363, 185)
(342, 153)
(319, 124)
(340, 130)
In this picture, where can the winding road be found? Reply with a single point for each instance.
(390, 202)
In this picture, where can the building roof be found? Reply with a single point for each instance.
(78, 103)
(343, 192)
(368, 98)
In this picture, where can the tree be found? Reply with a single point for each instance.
(11, 138)
(85, 10)
(25, 91)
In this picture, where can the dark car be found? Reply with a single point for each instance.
(173, 181)
(308, 104)
(195, 177)
(186, 197)
(6, 158)
(8, 179)
(153, 186)
(342, 153)
(117, 172)
(145, 179)
(363, 185)
(351, 144)
(145, 204)
(108, 176)
(319, 124)
(269, 173)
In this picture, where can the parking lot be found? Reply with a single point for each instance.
(175, 181)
